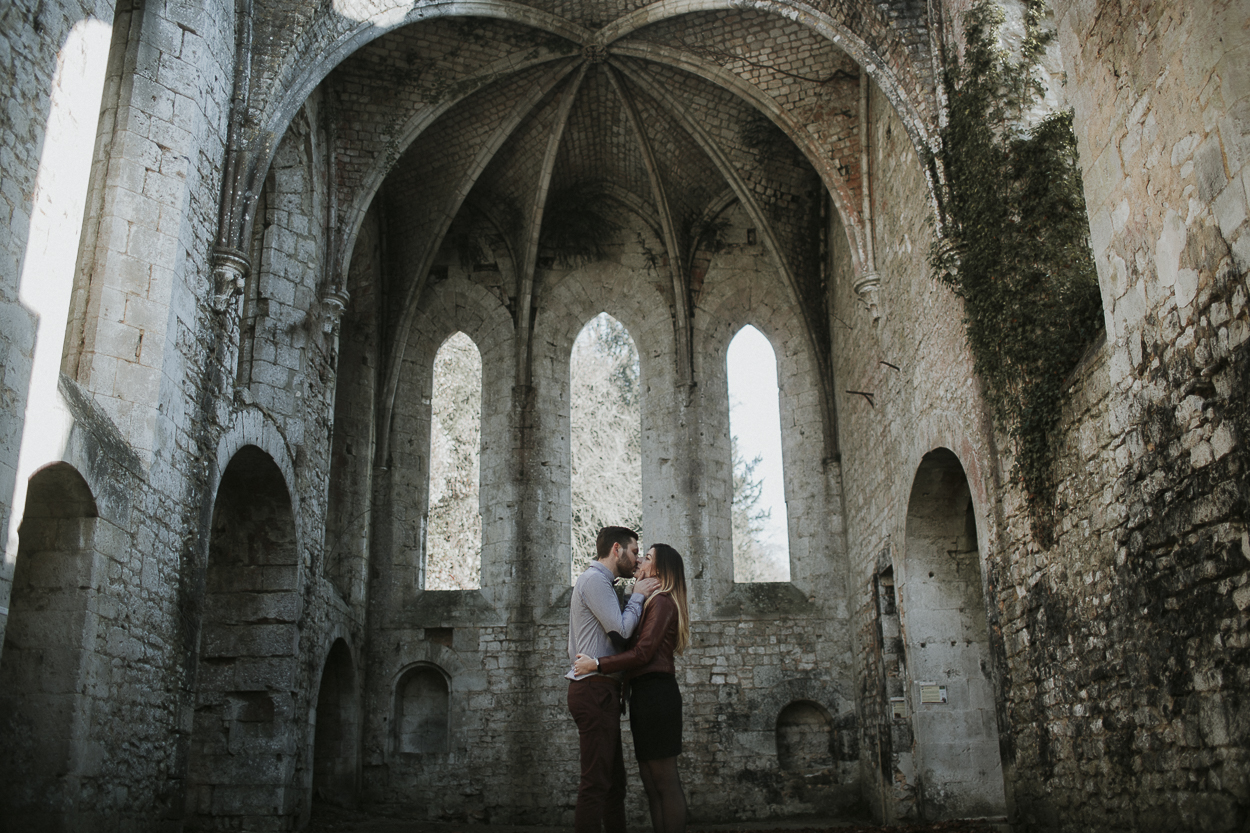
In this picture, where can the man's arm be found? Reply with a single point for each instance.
(600, 599)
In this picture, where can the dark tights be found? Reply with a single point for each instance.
(664, 794)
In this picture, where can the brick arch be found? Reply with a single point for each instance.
(946, 431)
(306, 67)
(303, 69)
(828, 26)
(454, 305)
(252, 426)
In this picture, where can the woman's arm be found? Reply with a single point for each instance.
(656, 619)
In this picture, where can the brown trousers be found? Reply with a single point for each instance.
(595, 703)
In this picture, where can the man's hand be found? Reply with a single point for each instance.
(585, 665)
(646, 586)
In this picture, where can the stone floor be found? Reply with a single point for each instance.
(335, 820)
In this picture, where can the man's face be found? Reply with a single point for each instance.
(628, 561)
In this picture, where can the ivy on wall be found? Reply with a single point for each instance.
(1015, 244)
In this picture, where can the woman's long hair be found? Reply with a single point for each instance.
(671, 571)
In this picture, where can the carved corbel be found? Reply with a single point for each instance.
(333, 305)
(868, 287)
(230, 270)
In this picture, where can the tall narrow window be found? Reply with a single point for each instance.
(453, 541)
(606, 434)
(760, 539)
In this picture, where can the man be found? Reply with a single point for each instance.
(598, 627)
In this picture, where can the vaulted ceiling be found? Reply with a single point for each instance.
(516, 123)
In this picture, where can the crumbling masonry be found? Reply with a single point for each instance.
(229, 253)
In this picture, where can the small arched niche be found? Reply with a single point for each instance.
(453, 539)
(944, 620)
(605, 435)
(336, 733)
(761, 547)
(422, 711)
(47, 634)
(804, 738)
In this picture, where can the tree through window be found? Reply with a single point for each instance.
(605, 435)
(760, 538)
(453, 543)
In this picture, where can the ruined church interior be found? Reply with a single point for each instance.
(245, 239)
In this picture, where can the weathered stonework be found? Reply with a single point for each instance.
(218, 319)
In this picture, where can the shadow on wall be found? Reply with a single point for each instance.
(242, 757)
(336, 731)
(49, 631)
(422, 700)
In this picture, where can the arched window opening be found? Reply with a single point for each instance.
(946, 629)
(44, 642)
(605, 405)
(422, 708)
(336, 733)
(804, 738)
(761, 543)
(453, 541)
(247, 648)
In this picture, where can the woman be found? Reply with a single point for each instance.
(654, 701)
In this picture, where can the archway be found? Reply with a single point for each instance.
(946, 638)
(46, 640)
(241, 763)
(336, 733)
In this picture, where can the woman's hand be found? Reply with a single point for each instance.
(585, 665)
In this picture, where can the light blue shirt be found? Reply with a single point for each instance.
(595, 612)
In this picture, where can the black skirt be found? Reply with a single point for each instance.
(655, 716)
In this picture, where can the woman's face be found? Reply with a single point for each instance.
(646, 565)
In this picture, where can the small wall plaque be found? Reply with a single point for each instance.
(932, 693)
(898, 707)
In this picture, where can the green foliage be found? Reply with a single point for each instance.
(755, 557)
(1016, 244)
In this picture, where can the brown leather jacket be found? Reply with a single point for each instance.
(656, 642)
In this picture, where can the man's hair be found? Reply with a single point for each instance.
(610, 535)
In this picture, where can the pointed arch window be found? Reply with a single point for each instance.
(761, 545)
(605, 397)
(453, 539)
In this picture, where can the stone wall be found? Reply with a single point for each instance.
(1126, 647)
(501, 650)
(220, 499)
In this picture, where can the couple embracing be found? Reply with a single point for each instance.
(634, 647)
